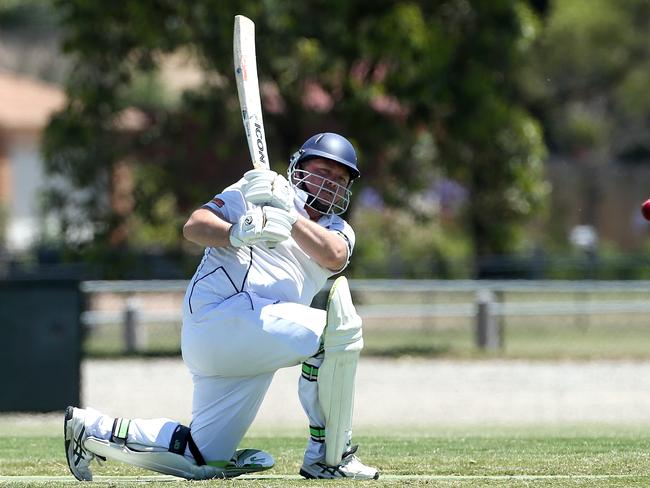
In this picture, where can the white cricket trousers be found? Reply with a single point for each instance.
(232, 350)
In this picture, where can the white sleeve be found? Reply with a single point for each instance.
(229, 204)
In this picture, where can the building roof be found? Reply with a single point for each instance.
(26, 103)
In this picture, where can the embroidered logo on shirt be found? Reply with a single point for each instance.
(218, 202)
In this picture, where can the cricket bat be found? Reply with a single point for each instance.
(248, 90)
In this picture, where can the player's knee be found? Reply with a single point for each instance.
(308, 345)
(344, 325)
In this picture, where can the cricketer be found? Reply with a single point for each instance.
(270, 243)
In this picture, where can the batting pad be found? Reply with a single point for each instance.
(159, 461)
(343, 342)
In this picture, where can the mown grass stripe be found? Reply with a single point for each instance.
(405, 477)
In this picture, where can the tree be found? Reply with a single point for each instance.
(588, 79)
(423, 89)
(487, 140)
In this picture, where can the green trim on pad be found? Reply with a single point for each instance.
(123, 429)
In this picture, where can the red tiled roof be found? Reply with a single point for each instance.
(26, 103)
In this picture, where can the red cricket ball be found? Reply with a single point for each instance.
(645, 209)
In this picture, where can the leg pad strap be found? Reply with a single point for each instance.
(182, 438)
(120, 431)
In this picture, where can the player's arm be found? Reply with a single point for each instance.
(327, 248)
(206, 229)
(260, 224)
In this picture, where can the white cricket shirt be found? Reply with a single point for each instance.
(285, 273)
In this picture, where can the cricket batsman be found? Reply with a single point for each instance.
(270, 243)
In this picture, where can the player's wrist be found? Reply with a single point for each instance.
(234, 240)
(293, 216)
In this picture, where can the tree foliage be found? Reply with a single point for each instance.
(588, 79)
(422, 88)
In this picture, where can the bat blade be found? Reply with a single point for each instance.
(245, 64)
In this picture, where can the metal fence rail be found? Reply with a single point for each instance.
(483, 303)
(582, 286)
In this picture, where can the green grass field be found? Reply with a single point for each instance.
(31, 453)
(534, 342)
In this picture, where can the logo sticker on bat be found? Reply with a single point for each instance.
(241, 70)
(260, 141)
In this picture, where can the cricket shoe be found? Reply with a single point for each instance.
(74, 431)
(248, 461)
(349, 467)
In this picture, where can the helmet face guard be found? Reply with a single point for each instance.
(323, 194)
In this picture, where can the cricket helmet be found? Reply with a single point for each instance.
(330, 146)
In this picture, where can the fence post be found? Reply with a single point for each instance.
(488, 334)
(134, 333)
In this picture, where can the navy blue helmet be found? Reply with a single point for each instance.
(324, 197)
(331, 146)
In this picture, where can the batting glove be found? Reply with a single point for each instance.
(266, 187)
(262, 224)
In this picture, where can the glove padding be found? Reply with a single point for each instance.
(262, 224)
(266, 187)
